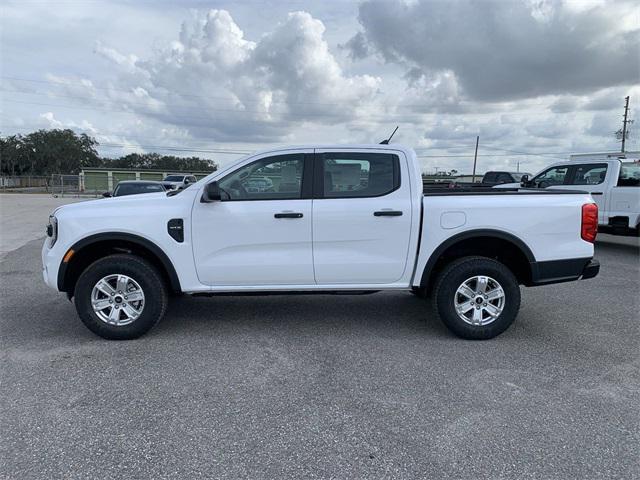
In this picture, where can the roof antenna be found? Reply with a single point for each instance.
(386, 142)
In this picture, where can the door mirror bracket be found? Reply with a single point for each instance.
(524, 181)
(211, 193)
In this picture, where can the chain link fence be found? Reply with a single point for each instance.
(57, 185)
(25, 184)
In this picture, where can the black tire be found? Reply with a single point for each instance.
(454, 275)
(139, 270)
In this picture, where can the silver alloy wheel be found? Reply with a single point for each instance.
(117, 300)
(479, 300)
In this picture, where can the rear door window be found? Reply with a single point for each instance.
(629, 174)
(491, 177)
(589, 174)
(359, 174)
(504, 178)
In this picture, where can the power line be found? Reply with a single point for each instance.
(20, 128)
(278, 115)
(245, 152)
(173, 148)
(171, 90)
(511, 153)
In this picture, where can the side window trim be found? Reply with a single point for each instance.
(571, 173)
(318, 177)
(306, 188)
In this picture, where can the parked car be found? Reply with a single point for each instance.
(469, 250)
(500, 177)
(177, 181)
(134, 187)
(614, 185)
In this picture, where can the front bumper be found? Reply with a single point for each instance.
(50, 264)
(558, 271)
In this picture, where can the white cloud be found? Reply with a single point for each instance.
(217, 84)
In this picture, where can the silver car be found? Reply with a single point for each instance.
(177, 181)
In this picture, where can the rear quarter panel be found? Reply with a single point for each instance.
(548, 224)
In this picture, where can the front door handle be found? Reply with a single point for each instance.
(288, 215)
(387, 213)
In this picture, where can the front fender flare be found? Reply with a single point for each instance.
(174, 280)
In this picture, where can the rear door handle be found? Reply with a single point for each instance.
(288, 215)
(387, 213)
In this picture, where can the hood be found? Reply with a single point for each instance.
(141, 200)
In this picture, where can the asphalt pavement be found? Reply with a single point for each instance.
(23, 217)
(323, 386)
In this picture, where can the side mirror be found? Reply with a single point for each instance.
(187, 181)
(107, 194)
(524, 181)
(211, 193)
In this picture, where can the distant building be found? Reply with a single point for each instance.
(105, 179)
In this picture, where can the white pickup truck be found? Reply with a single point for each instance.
(350, 219)
(613, 183)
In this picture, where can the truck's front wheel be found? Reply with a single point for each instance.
(120, 297)
(477, 298)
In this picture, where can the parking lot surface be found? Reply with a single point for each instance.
(323, 386)
(24, 217)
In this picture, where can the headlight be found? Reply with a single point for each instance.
(52, 230)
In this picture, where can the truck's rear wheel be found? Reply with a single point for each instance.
(120, 297)
(477, 298)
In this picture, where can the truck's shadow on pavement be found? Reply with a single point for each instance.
(386, 314)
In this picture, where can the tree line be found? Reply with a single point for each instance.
(46, 152)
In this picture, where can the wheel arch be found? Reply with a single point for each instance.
(502, 246)
(99, 245)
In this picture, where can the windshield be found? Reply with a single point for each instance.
(629, 174)
(173, 178)
(135, 188)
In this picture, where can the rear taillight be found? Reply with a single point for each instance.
(589, 228)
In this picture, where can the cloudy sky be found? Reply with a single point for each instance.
(535, 79)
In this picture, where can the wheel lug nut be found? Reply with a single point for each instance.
(485, 304)
(110, 301)
(478, 307)
(125, 297)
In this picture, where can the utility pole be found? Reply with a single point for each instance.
(625, 121)
(475, 159)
